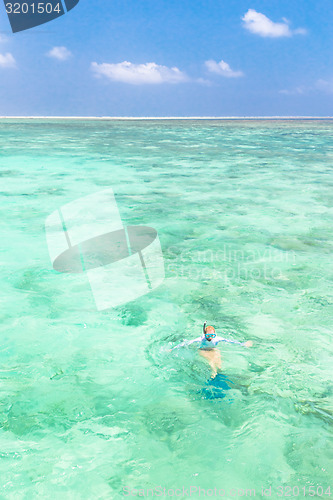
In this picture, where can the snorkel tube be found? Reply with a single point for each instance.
(210, 333)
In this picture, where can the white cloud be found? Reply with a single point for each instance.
(222, 68)
(300, 31)
(297, 91)
(60, 53)
(204, 81)
(320, 85)
(325, 86)
(261, 25)
(136, 74)
(7, 61)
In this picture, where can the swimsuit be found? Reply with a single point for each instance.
(206, 344)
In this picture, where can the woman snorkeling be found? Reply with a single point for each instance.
(207, 348)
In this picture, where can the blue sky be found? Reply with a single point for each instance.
(172, 58)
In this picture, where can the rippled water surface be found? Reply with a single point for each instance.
(92, 402)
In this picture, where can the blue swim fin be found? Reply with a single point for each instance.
(220, 381)
(219, 386)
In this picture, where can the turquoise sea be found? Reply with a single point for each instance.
(93, 405)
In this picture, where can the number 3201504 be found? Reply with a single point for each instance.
(33, 8)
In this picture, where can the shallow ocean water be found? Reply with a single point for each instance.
(92, 402)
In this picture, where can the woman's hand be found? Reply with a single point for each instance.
(248, 343)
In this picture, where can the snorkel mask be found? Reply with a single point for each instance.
(208, 336)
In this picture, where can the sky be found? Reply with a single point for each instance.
(172, 58)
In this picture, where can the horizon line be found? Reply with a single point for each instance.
(36, 117)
